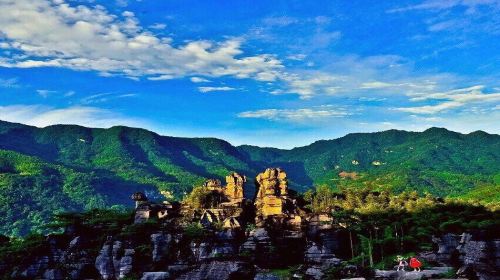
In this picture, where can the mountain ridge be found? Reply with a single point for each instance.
(99, 167)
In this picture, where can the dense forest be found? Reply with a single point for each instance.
(72, 168)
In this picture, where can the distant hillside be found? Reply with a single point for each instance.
(67, 167)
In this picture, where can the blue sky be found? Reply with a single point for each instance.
(280, 75)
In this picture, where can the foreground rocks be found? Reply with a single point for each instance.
(230, 237)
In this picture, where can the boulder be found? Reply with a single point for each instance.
(36, 268)
(266, 276)
(53, 274)
(160, 275)
(314, 272)
(447, 248)
(126, 263)
(220, 270)
(104, 262)
(201, 251)
(481, 256)
(161, 245)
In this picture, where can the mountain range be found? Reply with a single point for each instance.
(73, 168)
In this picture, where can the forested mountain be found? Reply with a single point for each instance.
(68, 167)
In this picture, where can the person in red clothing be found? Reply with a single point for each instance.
(415, 264)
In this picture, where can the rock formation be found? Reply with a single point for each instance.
(213, 184)
(223, 205)
(144, 209)
(234, 187)
(272, 192)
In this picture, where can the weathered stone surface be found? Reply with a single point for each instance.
(316, 254)
(142, 215)
(447, 247)
(272, 181)
(210, 217)
(272, 187)
(234, 187)
(161, 275)
(266, 276)
(53, 274)
(36, 268)
(161, 244)
(272, 205)
(257, 243)
(314, 272)
(201, 251)
(482, 256)
(220, 270)
(477, 257)
(213, 184)
(104, 261)
(411, 275)
(146, 210)
(231, 223)
(126, 263)
(317, 223)
(113, 261)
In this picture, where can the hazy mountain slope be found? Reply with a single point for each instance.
(67, 167)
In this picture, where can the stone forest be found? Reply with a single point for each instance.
(217, 233)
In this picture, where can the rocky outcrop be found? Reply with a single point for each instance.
(113, 261)
(272, 192)
(161, 275)
(412, 275)
(161, 245)
(220, 270)
(234, 187)
(447, 248)
(319, 259)
(480, 257)
(475, 255)
(125, 266)
(213, 184)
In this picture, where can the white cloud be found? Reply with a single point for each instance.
(296, 115)
(45, 92)
(309, 85)
(279, 21)
(372, 99)
(199, 80)
(451, 99)
(438, 5)
(322, 20)
(9, 83)
(298, 57)
(57, 34)
(104, 97)
(161, 78)
(210, 89)
(158, 26)
(376, 84)
(41, 116)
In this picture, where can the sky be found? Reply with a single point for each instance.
(279, 73)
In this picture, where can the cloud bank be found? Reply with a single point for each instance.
(42, 33)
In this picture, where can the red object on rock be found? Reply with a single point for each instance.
(415, 263)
